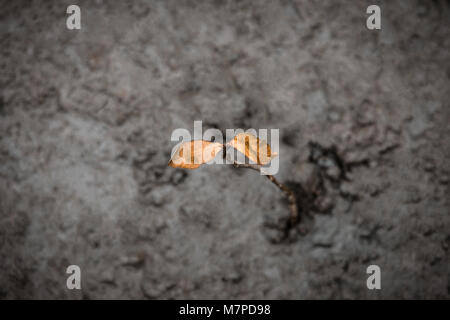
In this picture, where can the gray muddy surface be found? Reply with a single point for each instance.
(85, 123)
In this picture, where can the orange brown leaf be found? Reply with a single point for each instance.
(192, 154)
(255, 149)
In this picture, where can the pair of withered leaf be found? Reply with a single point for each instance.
(192, 154)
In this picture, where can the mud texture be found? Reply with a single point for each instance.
(85, 123)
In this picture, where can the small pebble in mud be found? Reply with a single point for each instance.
(333, 172)
(107, 276)
(331, 168)
(334, 116)
(444, 179)
(373, 190)
(324, 204)
(178, 177)
(161, 195)
(429, 165)
(349, 189)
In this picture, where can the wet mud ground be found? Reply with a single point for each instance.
(85, 123)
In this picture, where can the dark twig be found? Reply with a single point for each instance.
(290, 195)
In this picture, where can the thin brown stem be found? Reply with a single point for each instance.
(290, 195)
